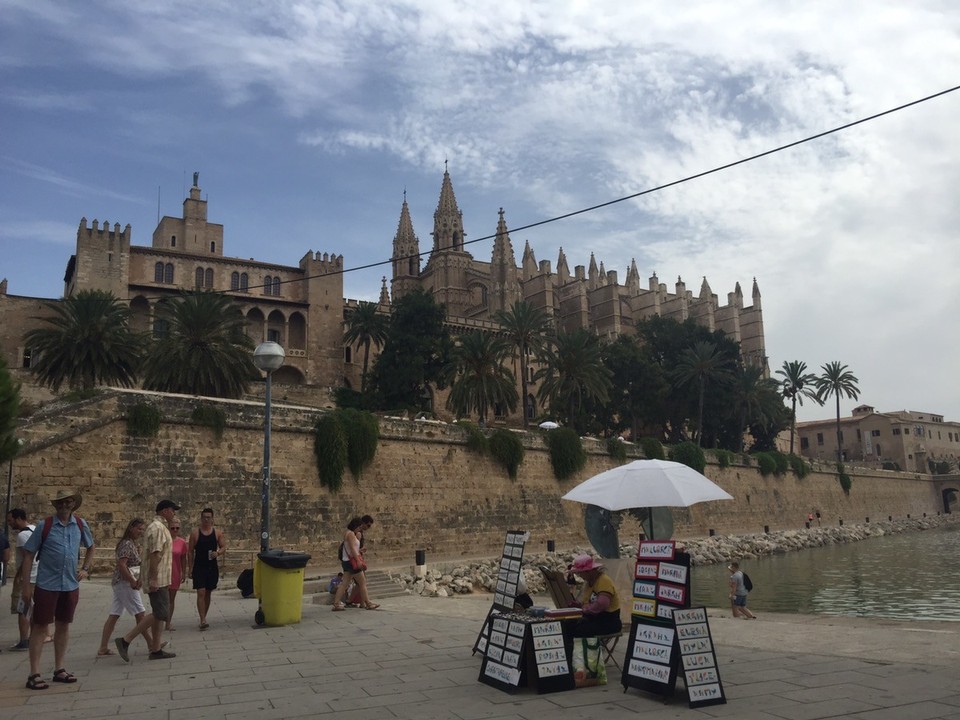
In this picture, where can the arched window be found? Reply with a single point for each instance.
(235, 281)
(209, 278)
(199, 280)
(276, 286)
(168, 274)
(158, 272)
(267, 285)
(173, 241)
(244, 282)
(213, 247)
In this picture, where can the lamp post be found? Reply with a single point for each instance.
(10, 477)
(267, 357)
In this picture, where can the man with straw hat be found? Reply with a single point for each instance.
(58, 582)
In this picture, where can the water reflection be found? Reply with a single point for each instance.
(910, 576)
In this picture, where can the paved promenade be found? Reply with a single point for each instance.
(411, 659)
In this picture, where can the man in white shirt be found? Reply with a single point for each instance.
(17, 520)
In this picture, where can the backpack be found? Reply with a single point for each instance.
(48, 523)
(747, 582)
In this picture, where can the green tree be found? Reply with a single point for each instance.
(479, 379)
(639, 387)
(573, 373)
(700, 366)
(366, 326)
(9, 409)
(87, 341)
(204, 349)
(759, 404)
(415, 353)
(525, 326)
(796, 385)
(837, 380)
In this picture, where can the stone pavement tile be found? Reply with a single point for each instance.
(771, 673)
(893, 697)
(824, 709)
(848, 677)
(913, 711)
(767, 687)
(827, 692)
(949, 700)
(382, 687)
(380, 701)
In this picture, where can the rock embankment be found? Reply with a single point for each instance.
(480, 576)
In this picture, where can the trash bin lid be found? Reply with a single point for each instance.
(284, 559)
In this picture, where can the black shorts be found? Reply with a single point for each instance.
(160, 603)
(206, 577)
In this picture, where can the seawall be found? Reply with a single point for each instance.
(425, 488)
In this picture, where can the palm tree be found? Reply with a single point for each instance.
(205, 349)
(702, 364)
(758, 399)
(525, 326)
(479, 377)
(9, 409)
(573, 372)
(837, 380)
(88, 342)
(366, 326)
(796, 385)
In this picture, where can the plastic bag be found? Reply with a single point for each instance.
(588, 667)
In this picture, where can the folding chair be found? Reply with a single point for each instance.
(557, 587)
(609, 645)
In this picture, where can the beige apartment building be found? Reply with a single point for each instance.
(908, 439)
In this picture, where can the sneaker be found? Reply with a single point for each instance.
(123, 647)
(162, 655)
(22, 645)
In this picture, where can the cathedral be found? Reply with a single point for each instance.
(302, 306)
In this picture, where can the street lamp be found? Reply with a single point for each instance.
(267, 357)
(10, 476)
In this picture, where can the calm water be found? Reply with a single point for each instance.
(908, 576)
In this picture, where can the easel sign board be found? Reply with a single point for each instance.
(698, 657)
(651, 663)
(549, 664)
(508, 577)
(501, 666)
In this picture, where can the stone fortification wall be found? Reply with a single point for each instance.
(425, 488)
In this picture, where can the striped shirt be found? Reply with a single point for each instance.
(157, 539)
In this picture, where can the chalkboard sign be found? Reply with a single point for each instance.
(508, 576)
(698, 657)
(661, 585)
(502, 667)
(549, 668)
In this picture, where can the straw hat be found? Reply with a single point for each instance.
(585, 563)
(64, 493)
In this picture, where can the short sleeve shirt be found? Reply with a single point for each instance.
(59, 559)
(737, 578)
(126, 549)
(157, 539)
(604, 584)
(22, 538)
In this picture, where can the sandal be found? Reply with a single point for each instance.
(62, 676)
(371, 606)
(35, 682)
(337, 607)
(104, 653)
(204, 626)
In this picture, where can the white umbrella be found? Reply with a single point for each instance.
(548, 425)
(647, 483)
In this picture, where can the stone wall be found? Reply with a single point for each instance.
(425, 489)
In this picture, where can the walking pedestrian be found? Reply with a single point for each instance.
(57, 590)
(17, 520)
(179, 567)
(738, 593)
(206, 545)
(351, 560)
(158, 568)
(126, 585)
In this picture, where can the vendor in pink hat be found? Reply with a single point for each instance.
(599, 600)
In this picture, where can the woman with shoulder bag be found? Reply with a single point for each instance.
(126, 584)
(351, 560)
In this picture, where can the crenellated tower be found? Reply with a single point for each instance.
(102, 260)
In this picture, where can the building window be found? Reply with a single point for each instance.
(168, 274)
(235, 281)
(173, 241)
(273, 336)
(819, 438)
(27, 361)
(213, 247)
(858, 434)
(268, 285)
(244, 282)
(199, 277)
(348, 354)
(161, 328)
(906, 431)
(158, 273)
(896, 431)
(208, 277)
(875, 433)
(804, 443)
(276, 286)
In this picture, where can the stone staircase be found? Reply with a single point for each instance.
(379, 586)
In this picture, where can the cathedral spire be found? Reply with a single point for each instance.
(406, 254)
(529, 261)
(384, 293)
(503, 269)
(447, 220)
(563, 271)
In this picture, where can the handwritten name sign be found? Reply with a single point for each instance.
(644, 588)
(644, 608)
(646, 570)
(649, 671)
(672, 573)
(675, 594)
(659, 549)
(698, 658)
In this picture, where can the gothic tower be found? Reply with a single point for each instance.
(504, 282)
(445, 275)
(406, 255)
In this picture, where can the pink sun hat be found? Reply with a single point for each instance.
(585, 563)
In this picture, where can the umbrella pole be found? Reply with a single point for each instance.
(650, 513)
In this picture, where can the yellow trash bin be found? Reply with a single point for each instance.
(278, 582)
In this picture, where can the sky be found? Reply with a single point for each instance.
(308, 121)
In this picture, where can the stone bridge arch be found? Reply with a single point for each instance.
(949, 489)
